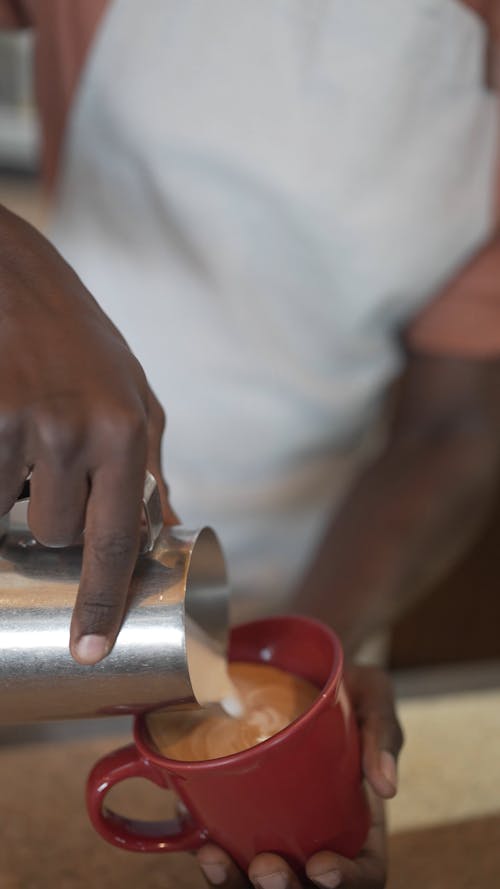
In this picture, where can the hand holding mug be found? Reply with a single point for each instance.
(278, 794)
(381, 740)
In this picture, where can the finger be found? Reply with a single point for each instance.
(368, 871)
(329, 871)
(381, 734)
(269, 871)
(219, 869)
(58, 499)
(59, 485)
(156, 428)
(110, 551)
(13, 468)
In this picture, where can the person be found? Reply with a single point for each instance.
(287, 212)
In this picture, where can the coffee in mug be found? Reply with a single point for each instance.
(296, 793)
(270, 699)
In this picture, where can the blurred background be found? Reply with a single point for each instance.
(444, 656)
(19, 143)
(451, 626)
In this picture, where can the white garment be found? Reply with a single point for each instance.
(260, 194)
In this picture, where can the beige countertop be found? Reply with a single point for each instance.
(450, 766)
(445, 823)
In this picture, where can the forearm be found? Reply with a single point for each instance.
(407, 519)
(13, 15)
(27, 260)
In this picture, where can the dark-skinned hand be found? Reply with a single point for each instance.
(76, 412)
(381, 738)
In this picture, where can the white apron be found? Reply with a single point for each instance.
(260, 193)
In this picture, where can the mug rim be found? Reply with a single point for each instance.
(330, 687)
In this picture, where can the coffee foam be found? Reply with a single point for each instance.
(208, 670)
(271, 700)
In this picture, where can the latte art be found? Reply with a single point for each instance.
(270, 698)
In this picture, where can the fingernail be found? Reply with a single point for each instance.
(273, 881)
(215, 873)
(330, 880)
(389, 769)
(91, 649)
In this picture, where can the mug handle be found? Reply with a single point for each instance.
(127, 833)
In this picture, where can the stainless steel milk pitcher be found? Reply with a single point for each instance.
(175, 627)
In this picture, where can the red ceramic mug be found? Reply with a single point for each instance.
(295, 794)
